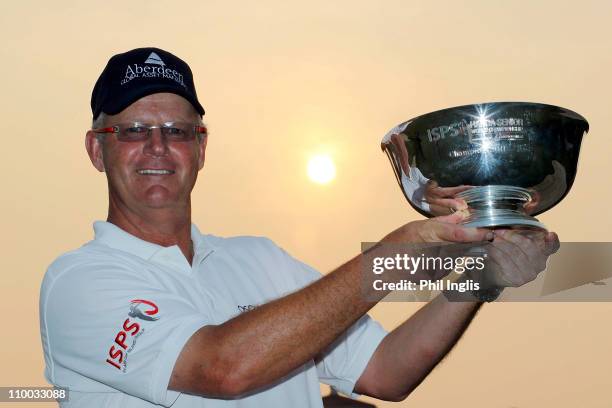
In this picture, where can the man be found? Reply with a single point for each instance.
(153, 312)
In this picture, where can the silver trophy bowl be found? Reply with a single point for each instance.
(508, 161)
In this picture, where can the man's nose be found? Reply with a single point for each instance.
(156, 144)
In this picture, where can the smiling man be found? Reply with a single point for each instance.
(153, 312)
(151, 169)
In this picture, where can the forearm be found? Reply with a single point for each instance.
(409, 353)
(259, 347)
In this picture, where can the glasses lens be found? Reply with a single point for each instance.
(179, 131)
(132, 132)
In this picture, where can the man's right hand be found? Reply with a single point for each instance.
(439, 229)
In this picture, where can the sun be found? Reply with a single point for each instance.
(321, 169)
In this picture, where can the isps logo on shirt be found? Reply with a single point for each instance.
(125, 340)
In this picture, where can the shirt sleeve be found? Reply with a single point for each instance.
(343, 362)
(118, 327)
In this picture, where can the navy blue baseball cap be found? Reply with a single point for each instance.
(134, 74)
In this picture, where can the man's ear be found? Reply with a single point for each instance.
(202, 147)
(94, 150)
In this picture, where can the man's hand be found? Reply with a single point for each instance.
(442, 200)
(516, 257)
(439, 229)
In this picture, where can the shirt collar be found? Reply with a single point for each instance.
(111, 235)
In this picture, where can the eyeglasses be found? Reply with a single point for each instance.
(138, 132)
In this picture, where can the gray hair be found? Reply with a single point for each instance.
(99, 121)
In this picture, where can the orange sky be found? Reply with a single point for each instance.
(281, 81)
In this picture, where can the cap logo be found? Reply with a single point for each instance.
(154, 59)
(153, 68)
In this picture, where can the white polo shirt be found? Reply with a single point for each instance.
(116, 313)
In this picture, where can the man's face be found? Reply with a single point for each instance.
(125, 162)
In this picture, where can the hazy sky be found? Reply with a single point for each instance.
(281, 81)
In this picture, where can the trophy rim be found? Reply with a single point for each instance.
(408, 122)
(507, 103)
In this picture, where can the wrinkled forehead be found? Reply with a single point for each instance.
(159, 107)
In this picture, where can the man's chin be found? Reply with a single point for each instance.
(160, 197)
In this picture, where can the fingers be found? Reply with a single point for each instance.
(552, 243)
(434, 190)
(520, 260)
(454, 218)
(446, 205)
(500, 270)
(442, 200)
(521, 245)
(447, 228)
(518, 256)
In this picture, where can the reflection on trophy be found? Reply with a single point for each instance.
(504, 162)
